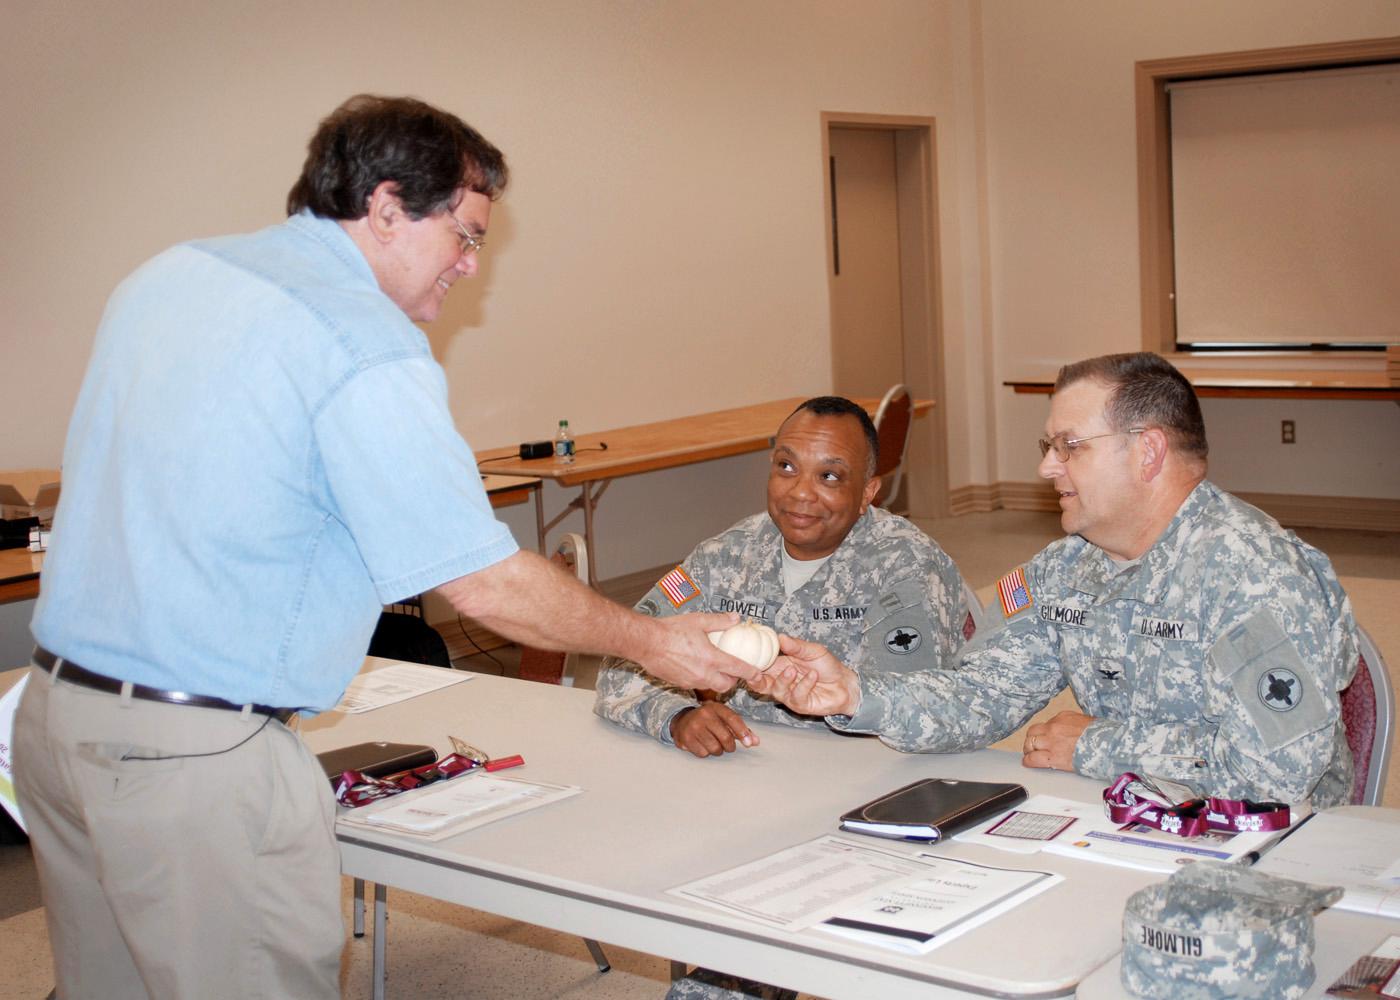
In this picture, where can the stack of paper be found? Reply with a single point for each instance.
(451, 807)
(920, 916)
(910, 903)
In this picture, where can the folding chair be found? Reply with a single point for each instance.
(546, 665)
(402, 634)
(892, 424)
(1368, 706)
(976, 614)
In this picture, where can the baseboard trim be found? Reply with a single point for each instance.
(975, 498)
(1039, 495)
(1293, 510)
(978, 498)
(1350, 513)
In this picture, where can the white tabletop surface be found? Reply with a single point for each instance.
(652, 817)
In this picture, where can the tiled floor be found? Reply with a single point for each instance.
(438, 950)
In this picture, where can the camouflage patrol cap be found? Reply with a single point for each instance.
(1215, 930)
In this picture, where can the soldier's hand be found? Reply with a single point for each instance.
(809, 680)
(711, 729)
(1051, 744)
(686, 657)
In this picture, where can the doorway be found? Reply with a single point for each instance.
(883, 280)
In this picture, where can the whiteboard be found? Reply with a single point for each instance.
(1286, 207)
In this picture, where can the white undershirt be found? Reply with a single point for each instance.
(796, 572)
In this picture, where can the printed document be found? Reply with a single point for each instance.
(395, 683)
(8, 704)
(451, 807)
(1354, 852)
(908, 902)
(956, 897)
(801, 885)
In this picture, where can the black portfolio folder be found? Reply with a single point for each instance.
(375, 759)
(933, 808)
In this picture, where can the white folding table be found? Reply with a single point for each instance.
(652, 817)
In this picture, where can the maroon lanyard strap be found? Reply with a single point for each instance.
(1191, 818)
(355, 789)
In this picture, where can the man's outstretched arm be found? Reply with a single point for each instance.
(526, 598)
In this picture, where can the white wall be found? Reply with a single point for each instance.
(1063, 235)
(659, 252)
(1343, 448)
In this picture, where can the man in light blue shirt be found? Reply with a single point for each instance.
(262, 456)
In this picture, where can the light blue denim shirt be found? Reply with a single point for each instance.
(261, 455)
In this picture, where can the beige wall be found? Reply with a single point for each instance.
(660, 251)
(1062, 204)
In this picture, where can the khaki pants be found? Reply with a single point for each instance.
(190, 877)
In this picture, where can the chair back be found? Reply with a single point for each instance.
(1368, 706)
(976, 614)
(892, 421)
(402, 634)
(550, 666)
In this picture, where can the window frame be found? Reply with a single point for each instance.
(1155, 237)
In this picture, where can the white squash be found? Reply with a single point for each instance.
(752, 642)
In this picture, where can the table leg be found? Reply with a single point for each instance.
(359, 908)
(586, 495)
(600, 959)
(381, 912)
(539, 516)
(586, 501)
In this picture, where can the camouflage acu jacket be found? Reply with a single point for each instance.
(888, 598)
(1214, 660)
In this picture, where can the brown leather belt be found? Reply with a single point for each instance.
(67, 670)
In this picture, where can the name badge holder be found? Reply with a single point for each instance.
(1132, 799)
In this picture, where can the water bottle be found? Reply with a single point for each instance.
(564, 444)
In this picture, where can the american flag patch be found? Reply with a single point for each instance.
(678, 587)
(1015, 595)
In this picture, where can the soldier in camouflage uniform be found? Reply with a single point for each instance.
(821, 563)
(883, 597)
(1204, 643)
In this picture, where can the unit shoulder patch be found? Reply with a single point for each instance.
(903, 640)
(1273, 685)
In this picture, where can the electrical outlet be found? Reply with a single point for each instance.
(1288, 435)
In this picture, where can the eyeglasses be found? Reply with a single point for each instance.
(1065, 447)
(470, 243)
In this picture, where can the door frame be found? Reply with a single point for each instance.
(916, 183)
